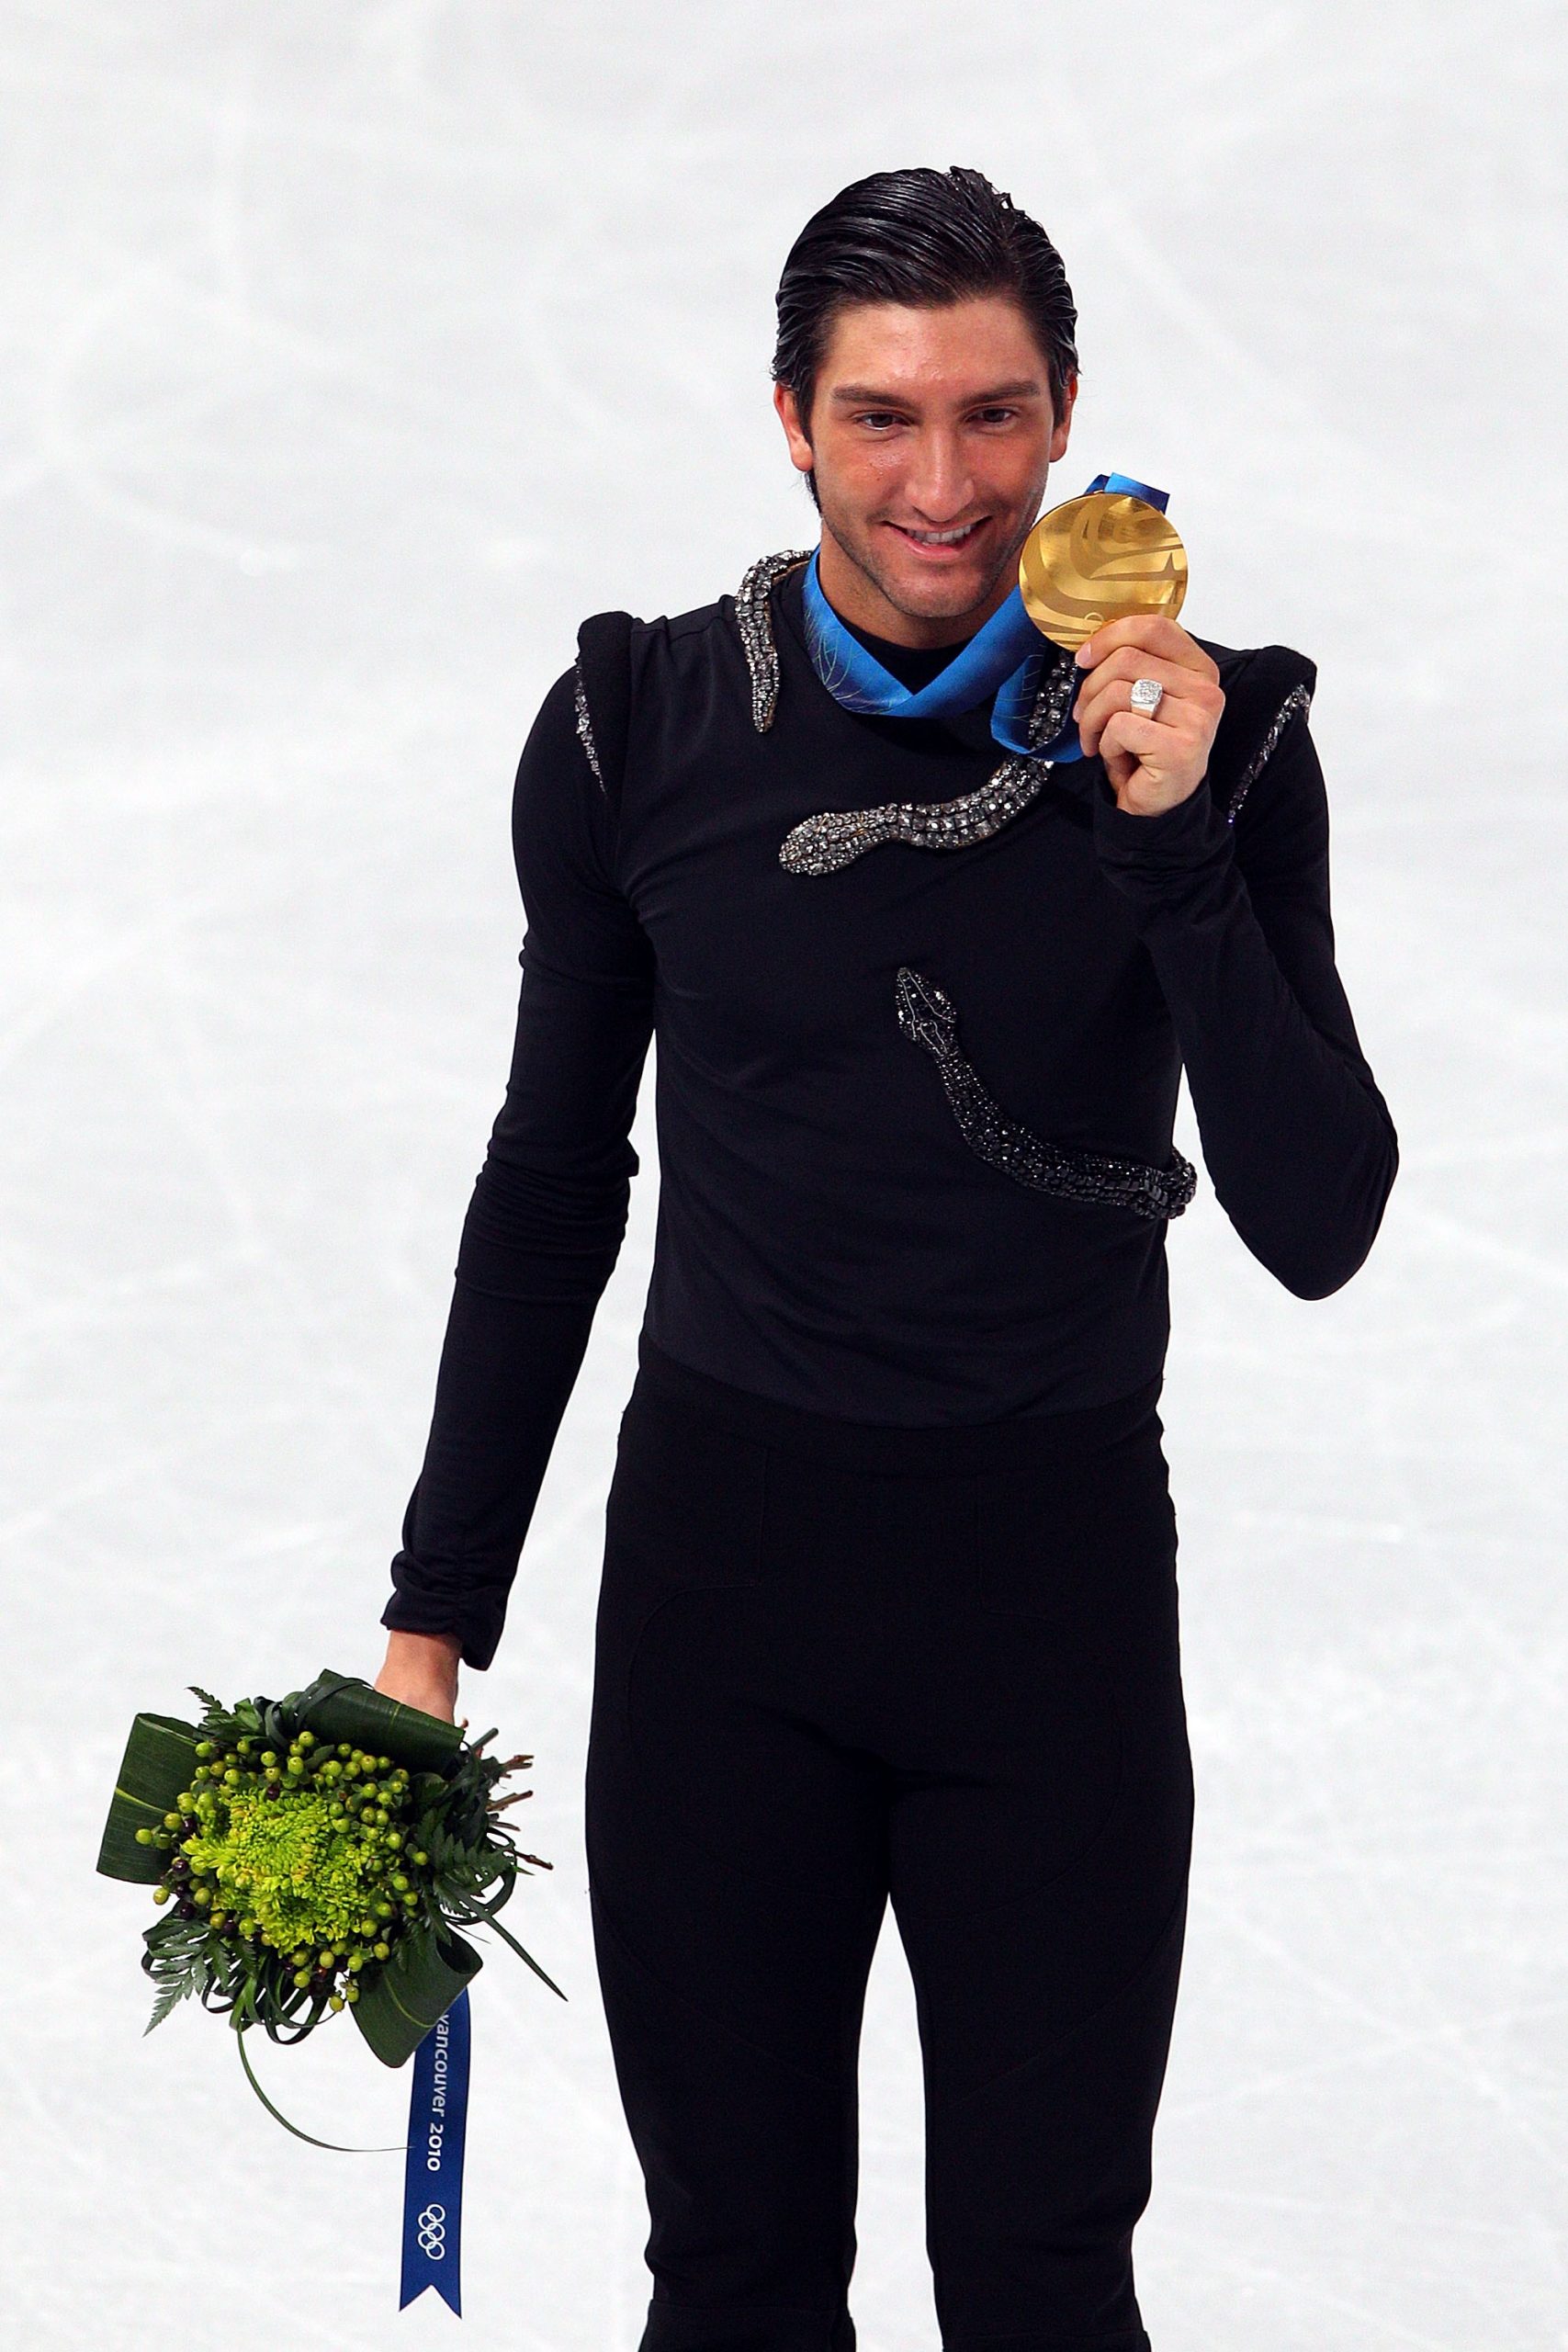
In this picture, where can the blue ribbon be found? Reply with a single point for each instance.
(1004, 658)
(432, 2169)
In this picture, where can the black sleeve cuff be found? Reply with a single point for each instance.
(1164, 862)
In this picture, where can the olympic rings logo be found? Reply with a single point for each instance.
(432, 2232)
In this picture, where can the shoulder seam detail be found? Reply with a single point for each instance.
(585, 726)
(1299, 698)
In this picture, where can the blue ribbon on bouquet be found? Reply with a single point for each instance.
(1004, 658)
(432, 2168)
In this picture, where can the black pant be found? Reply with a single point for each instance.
(838, 1662)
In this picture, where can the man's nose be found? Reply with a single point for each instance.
(940, 485)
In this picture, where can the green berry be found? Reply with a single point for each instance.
(351, 1992)
(420, 1857)
(144, 1837)
(301, 1977)
(400, 1884)
(201, 1895)
(297, 1764)
(162, 1893)
(383, 1909)
(355, 1962)
(204, 1747)
(307, 1739)
(383, 1952)
(334, 2000)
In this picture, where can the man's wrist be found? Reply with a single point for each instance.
(423, 1647)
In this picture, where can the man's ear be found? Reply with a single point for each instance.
(1064, 422)
(800, 455)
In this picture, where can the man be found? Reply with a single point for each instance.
(888, 1603)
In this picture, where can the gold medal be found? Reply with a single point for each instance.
(1093, 559)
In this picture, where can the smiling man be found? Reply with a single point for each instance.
(888, 1605)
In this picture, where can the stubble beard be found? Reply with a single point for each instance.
(946, 601)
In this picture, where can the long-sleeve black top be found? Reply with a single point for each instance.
(828, 1233)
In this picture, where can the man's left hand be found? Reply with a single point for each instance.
(1152, 762)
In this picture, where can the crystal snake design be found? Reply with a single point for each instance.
(825, 843)
(929, 1017)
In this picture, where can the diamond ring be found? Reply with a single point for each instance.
(1146, 696)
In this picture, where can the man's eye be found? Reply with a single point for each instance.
(996, 415)
(877, 417)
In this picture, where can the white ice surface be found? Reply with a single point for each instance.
(351, 354)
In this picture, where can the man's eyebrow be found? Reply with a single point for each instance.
(867, 396)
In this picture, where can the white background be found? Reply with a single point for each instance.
(353, 354)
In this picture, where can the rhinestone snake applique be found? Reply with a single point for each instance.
(929, 1017)
(823, 843)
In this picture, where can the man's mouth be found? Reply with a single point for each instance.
(958, 536)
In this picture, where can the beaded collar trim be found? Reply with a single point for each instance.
(754, 619)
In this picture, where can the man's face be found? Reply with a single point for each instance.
(931, 436)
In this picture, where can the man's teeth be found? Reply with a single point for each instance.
(943, 539)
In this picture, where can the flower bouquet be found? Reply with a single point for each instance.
(311, 1854)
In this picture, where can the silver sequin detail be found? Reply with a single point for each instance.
(755, 622)
(1299, 698)
(823, 844)
(585, 732)
(927, 1016)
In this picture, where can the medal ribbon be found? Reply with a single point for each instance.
(1004, 658)
(432, 2170)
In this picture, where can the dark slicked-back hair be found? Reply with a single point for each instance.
(925, 237)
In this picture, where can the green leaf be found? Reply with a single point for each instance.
(172, 1994)
(337, 2147)
(345, 1706)
(399, 2004)
(507, 1937)
(160, 1757)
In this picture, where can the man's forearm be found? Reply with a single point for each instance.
(1297, 1139)
(506, 1371)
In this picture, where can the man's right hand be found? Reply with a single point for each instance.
(421, 1671)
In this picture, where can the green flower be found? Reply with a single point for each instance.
(304, 1877)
